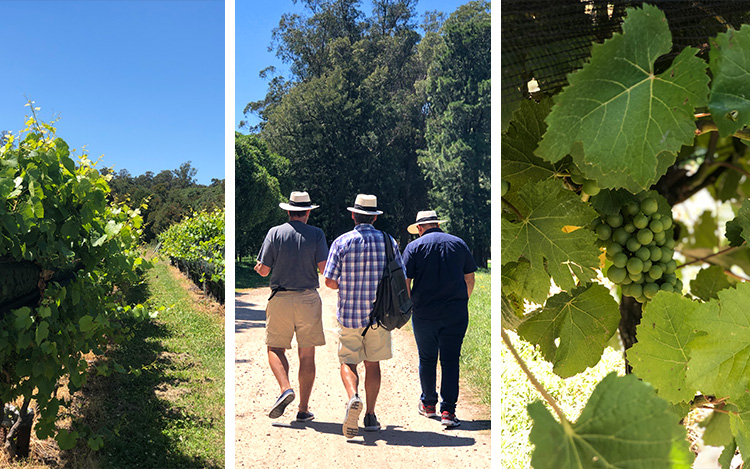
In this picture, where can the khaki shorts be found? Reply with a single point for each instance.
(373, 347)
(295, 312)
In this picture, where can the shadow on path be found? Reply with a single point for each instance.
(248, 315)
(392, 435)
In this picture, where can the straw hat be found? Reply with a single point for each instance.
(423, 218)
(365, 205)
(298, 202)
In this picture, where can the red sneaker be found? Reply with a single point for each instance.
(427, 410)
(449, 419)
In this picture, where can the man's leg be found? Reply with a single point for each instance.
(279, 366)
(306, 375)
(425, 334)
(372, 385)
(350, 378)
(451, 339)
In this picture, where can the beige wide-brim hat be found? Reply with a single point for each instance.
(366, 205)
(298, 202)
(423, 218)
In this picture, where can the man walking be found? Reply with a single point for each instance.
(354, 267)
(293, 253)
(441, 268)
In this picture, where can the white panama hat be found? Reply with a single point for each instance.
(298, 202)
(425, 217)
(366, 205)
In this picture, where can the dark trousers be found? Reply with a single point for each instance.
(441, 338)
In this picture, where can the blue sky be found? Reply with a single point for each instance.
(140, 82)
(254, 22)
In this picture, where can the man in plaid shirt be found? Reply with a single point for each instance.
(354, 267)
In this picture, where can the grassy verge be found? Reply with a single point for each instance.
(571, 394)
(169, 412)
(246, 277)
(476, 353)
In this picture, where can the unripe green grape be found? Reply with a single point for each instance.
(634, 265)
(645, 236)
(625, 288)
(633, 245)
(649, 206)
(629, 227)
(670, 243)
(631, 209)
(616, 274)
(647, 265)
(640, 221)
(620, 236)
(504, 186)
(614, 248)
(577, 178)
(636, 290)
(636, 278)
(667, 287)
(666, 254)
(666, 222)
(670, 267)
(627, 280)
(678, 286)
(615, 220)
(668, 278)
(591, 187)
(656, 253)
(603, 231)
(656, 226)
(620, 259)
(650, 290)
(643, 253)
(660, 237)
(656, 272)
(656, 216)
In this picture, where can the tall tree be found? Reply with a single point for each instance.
(457, 159)
(257, 192)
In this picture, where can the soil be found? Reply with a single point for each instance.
(406, 439)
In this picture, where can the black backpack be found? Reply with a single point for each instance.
(392, 307)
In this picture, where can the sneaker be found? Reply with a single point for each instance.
(305, 416)
(427, 410)
(449, 419)
(351, 421)
(371, 423)
(284, 400)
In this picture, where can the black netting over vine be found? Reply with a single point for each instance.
(544, 40)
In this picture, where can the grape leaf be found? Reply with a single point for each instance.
(739, 422)
(519, 165)
(539, 236)
(705, 231)
(709, 282)
(718, 431)
(623, 425)
(583, 320)
(738, 229)
(525, 282)
(720, 360)
(729, 60)
(660, 356)
(627, 118)
(727, 455)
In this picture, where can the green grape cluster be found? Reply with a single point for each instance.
(588, 186)
(640, 246)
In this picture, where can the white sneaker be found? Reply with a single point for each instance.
(351, 421)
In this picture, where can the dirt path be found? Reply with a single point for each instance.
(406, 440)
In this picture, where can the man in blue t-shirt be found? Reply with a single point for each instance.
(293, 253)
(441, 268)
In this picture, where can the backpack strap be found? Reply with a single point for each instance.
(388, 258)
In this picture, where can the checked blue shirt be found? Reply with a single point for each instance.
(356, 261)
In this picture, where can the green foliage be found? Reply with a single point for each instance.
(54, 213)
(600, 439)
(637, 119)
(200, 240)
(618, 107)
(257, 192)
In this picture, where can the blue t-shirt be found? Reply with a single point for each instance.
(437, 263)
(292, 251)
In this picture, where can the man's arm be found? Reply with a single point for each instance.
(322, 266)
(332, 284)
(469, 282)
(408, 287)
(262, 269)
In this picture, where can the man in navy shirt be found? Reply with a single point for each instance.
(441, 268)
